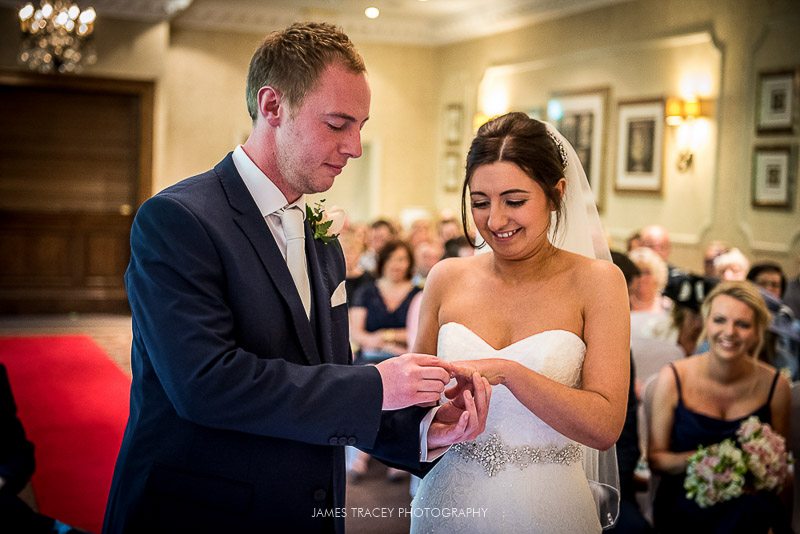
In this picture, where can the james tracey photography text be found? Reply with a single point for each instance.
(387, 511)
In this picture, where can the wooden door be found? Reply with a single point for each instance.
(75, 163)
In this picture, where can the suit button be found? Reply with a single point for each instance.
(342, 441)
(351, 441)
(320, 495)
(333, 441)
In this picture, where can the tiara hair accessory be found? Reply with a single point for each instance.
(560, 146)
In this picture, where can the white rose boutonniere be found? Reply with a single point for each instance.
(326, 224)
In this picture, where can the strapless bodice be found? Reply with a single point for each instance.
(557, 354)
(522, 474)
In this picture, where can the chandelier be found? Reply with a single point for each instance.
(54, 36)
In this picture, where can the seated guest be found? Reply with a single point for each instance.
(782, 346)
(634, 241)
(378, 319)
(426, 255)
(646, 295)
(656, 238)
(768, 276)
(649, 310)
(355, 275)
(791, 296)
(702, 400)
(458, 247)
(420, 231)
(687, 294)
(378, 310)
(712, 251)
(16, 467)
(631, 520)
(731, 265)
(448, 227)
(379, 233)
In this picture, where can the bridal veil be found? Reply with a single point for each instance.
(581, 232)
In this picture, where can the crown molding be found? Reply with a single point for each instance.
(431, 23)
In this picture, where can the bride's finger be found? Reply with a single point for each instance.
(462, 371)
(460, 385)
(481, 400)
(471, 409)
(479, 391)
(485, 412)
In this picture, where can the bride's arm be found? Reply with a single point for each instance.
(594, 414)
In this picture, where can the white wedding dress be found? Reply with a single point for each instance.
(520, 475)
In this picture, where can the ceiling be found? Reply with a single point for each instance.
(425, 22)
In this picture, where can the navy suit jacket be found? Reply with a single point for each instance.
(239, 404)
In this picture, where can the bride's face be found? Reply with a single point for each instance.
(510, 209)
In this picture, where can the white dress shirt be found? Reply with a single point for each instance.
(268, 197)
(269, 200)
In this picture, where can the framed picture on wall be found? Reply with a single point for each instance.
(453, 123)
(581, 118)
(773, 176)
(640, 146)
(777, 102)
(453, 171)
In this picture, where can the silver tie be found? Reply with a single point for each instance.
(292, 222)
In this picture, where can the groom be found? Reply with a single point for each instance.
(242, 394)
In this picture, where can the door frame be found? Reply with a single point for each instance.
(144, 90)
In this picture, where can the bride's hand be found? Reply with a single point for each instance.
(492, 369)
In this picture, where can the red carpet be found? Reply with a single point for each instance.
(73, 401)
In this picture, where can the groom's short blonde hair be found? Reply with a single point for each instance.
(292, 60)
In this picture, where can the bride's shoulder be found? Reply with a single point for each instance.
(590, 269)
(450, 268)
(593, 274)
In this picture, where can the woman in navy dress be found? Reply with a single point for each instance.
(702, 400)
(379, 309)
(378, 321)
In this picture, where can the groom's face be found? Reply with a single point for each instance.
(317, 138)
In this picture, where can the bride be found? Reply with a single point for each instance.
(547, 323)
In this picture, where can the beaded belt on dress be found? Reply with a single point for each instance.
(493, 454)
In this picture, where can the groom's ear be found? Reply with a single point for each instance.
(271, 105)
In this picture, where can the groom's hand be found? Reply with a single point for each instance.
(412, 379)
(463, 418)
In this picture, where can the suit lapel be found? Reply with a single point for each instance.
(249, 219)
(321, 304)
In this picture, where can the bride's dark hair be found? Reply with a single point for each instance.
(518, 139)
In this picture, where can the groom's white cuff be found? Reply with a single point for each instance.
(424, 425)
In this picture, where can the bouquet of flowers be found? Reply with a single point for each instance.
(758, 460)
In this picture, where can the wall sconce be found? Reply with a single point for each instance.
(679, 110)
(682, 112)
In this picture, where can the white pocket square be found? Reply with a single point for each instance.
(339, 295)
